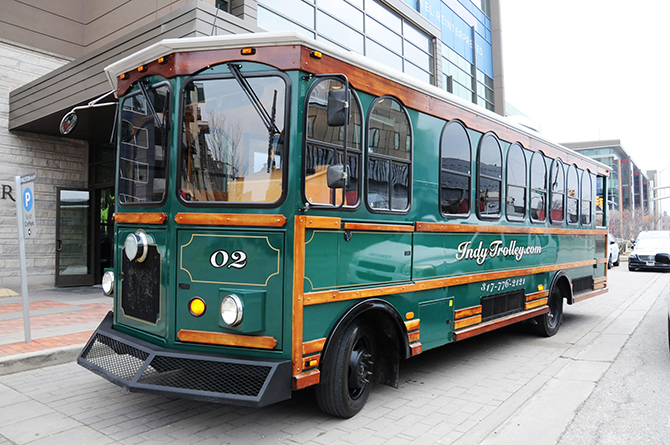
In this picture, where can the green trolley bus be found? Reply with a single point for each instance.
(291, 215)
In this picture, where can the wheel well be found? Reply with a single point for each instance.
(390, 341)
(564, 285)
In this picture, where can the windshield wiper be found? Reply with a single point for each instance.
(159, 123)
(267, 118)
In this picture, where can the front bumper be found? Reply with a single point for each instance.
(143, 367)
(636, 263)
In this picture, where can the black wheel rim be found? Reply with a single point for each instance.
(360, 367)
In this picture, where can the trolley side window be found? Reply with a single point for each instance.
(557, 191)
(143, 146)
(538, 188)
(516, 183)
(232, 141)
(572, 196)
(455, 170)
(389, 156)
(587, 193)
(489, 176)
(324, 146)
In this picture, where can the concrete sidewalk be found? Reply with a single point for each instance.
(61, 321)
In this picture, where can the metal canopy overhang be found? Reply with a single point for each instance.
(38, 106)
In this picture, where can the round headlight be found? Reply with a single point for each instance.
(136, 246)
(231, 310)
(108, 282)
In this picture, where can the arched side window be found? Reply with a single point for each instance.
(324, 146)
(455, 170)
(587, 198)
(489, 177)
(389, 162)
(538, 188)
(572, 196)
(515, 198)
(557, 191)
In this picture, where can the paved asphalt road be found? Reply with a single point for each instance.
(601, 380)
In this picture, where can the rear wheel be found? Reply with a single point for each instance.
(609, 262)
(346, 378)
(548, 324)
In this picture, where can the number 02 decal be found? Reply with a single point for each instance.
(236, 260)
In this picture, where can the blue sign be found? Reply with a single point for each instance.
(456, 23)
(27, 199)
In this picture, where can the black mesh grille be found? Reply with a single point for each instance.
(494, 306)
(114, 356)
(201, 375)
(140, 287)
(582, 284)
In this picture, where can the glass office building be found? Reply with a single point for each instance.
(448, 43)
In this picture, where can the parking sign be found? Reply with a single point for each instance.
(28, 205)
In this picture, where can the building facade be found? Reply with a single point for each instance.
(52, 57)
(628, 193)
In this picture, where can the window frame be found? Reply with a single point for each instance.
(572, 168)
(542, 159)
(256, 70)
(525, 187)
(354, 99)
(558, 163)
(586, 173)
(480, 215)
(447, 171)
(390, 159)
(168, 115)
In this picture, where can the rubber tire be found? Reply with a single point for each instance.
(617, 262)
(609, 262)
(549, 323)
(342, 392)
(668, 331)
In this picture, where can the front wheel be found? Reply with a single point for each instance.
(548, 324)
(346, 377)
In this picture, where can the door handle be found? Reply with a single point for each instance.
(59, 245)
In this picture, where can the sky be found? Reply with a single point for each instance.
(588, 70)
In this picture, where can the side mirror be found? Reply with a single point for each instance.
(338, 107)
(337, 176)
(662, 258)
(68, 122)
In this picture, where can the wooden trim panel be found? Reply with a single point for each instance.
(343, 295)
(219, 338)
(412, 325)
(467, 312)
(310, 347)
(600, 280)
(298, 295)
(536, 303)
(322, 222)
(231, 219)
(378, 227)
(306, 379)
(141, 218)
(415, 348)
(499, 323)
(599, 286)
(414, 336)
(537, 295)
(472, 228)
(465, 322)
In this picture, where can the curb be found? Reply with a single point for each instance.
(39, 359)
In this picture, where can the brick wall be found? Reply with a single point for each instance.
(57, 162)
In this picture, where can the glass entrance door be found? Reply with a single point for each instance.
(73, 238)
